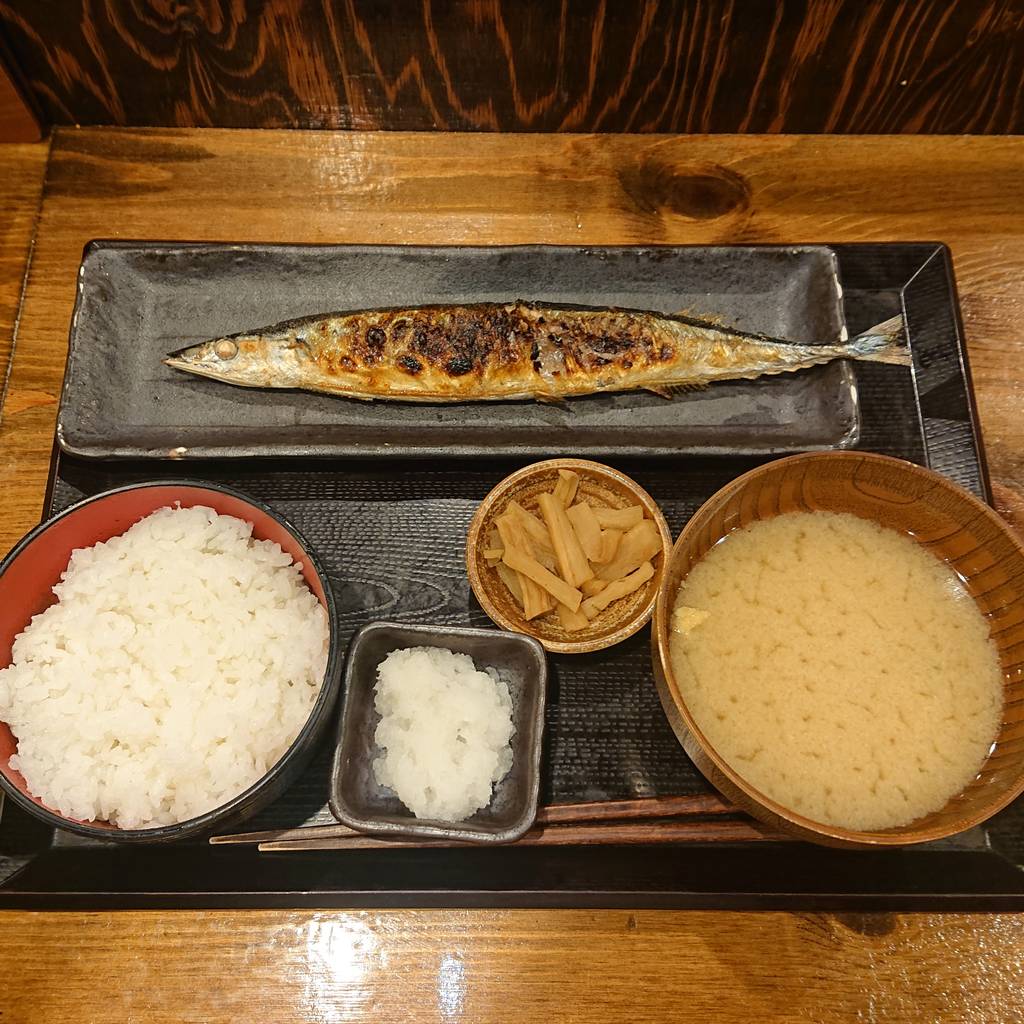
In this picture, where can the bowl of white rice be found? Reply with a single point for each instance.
(168, 662)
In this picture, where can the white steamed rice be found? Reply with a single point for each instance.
(445, 729)
(180, 662)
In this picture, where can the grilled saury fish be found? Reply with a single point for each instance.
(514, 350)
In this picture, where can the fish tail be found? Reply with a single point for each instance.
(884, 343)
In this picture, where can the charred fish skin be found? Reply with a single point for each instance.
(517, 350)
(458, 353)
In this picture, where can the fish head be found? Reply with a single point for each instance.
(253, 361)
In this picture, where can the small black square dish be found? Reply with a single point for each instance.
(360, 802)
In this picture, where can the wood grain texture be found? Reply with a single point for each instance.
(17, 124)
(22, 168)
(503, 966)
(415, 188)
(534, 65)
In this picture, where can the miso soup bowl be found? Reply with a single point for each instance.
(35, 564)
(940, 516)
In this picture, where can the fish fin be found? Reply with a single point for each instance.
(884, 343)
(671, 390)
(548, 399)
(708, 322)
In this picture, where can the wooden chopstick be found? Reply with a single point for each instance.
(553, 814)
(557, 835)
(274, 834)
(632, 810)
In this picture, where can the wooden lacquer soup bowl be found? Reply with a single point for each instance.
(941, 517)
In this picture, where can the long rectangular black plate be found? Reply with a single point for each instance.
(391, 534)
(137, 301)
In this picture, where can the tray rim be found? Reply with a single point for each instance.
(689, 876)
(378, 450)
(944, 253)
(911, 879)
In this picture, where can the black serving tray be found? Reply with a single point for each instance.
(390, 534)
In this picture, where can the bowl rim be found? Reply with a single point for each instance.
(325, 698)
(431, 635)
(754, 801)
(484, 508)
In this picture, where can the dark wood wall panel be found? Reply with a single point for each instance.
(550, 65)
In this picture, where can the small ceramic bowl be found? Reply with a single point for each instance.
(360, 802)
(945, 520)
(603, 487)
(35, 564)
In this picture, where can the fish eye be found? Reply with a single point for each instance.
(225, 349)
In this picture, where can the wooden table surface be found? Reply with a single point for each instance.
(21, 170)
(323, 187)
